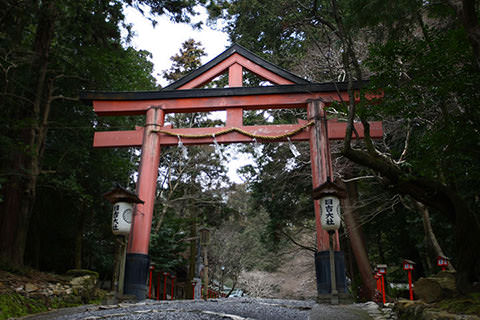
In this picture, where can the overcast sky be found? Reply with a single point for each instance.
(166, 38)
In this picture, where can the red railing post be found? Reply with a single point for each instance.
(150, 283)
(383, 288)
(173, 285)
(158, 286)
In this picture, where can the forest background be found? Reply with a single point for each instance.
(414, 194)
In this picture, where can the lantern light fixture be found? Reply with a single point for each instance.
(382, 269)
(442, 262)
(329, 194)
(122, 216)
(408, 264)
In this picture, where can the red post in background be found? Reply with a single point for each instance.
(165, 274)
(150, 283)
(173, 286)
(383, 288)
(377, 279)
(382, 271)
(158, 286)
(410, 284)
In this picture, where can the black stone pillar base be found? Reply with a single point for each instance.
(322, 268)
(136, 274)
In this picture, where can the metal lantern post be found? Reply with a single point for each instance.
(408, 265)
(329, 194)
(123, 202)
(204, 241)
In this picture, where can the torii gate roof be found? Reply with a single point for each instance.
(186, 95)
(246, 59)
(285, 83)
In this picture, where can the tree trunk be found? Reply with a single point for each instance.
(13, 231)
(25, 161)
(431, 239)
(357, 241)
(79, 239)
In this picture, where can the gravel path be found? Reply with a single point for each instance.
(214, 309)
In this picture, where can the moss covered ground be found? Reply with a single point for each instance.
(16, 305)
(16, 301)
(469, 304)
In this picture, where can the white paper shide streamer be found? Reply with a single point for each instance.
(293, 149)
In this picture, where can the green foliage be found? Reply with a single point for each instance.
(186, 61)
(167, 244)
(85, 52)
(268, 28)
(15, 305)
(178, 10)
(436, 93)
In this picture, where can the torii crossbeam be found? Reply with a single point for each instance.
(184, 96)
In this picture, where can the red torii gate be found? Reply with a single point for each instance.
(184, 96)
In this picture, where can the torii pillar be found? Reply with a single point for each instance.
(138, 261)
(322, 169)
